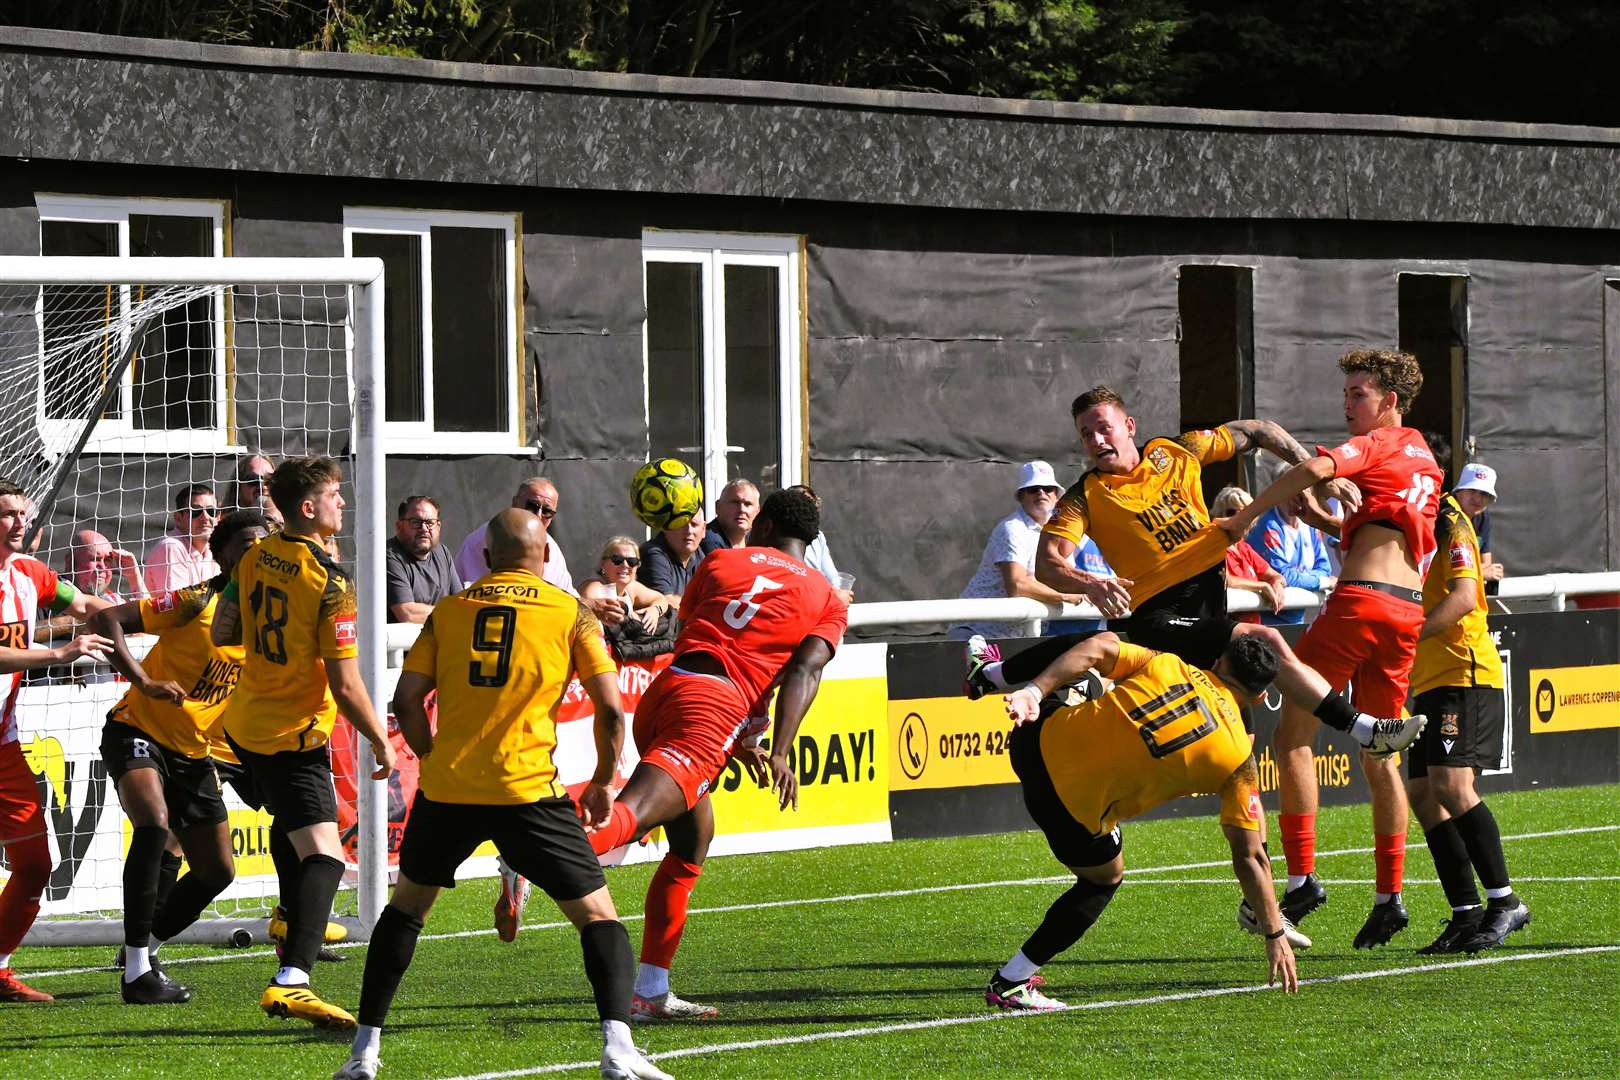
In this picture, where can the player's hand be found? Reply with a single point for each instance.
(784, 782)
(1235, 527)
(595, 805)
(1346, 492)
(384, 752)
(91, 645)
(1023, 705)
(1284, 972)
(1109, 595)
(167, 690)
(756, 762)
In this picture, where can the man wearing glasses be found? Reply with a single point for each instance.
(420, 569)
(182, 558)
(539, 496)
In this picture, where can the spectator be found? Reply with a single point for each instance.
(250, 489)
(669, 559)
(1295, 550)
(734, 514)
(539, 496)
(818, 556)
(420, 569)
(1482, 478)
(1007, 567)
(650, 629)
(1246, 569)
(182, 558)
(92, 567)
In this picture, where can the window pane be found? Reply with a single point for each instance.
(753, 373)
(76, 312)
(402, 313)
(470, 298)
(174, 364)
(675, 361)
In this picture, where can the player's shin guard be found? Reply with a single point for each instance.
(1451, 863)
(318, 879)
(191, 895)
(619, 830)
(1389, 862)
(143, 867)
(668, 894)
(1299, 843)
(1483, 840)
(393, 943)
(19, 901)
(610, 966)
(1069, 917)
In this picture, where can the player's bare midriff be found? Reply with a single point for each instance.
(1378, 552)
(698, 662)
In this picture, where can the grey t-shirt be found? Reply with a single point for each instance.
(419, 581)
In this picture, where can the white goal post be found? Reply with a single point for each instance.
(126, 383)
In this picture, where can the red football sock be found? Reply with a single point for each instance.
(1299, 842)
(667, 896)
(1389, 862)
(619, 830)
(19, 901)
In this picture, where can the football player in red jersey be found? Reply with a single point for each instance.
(752, 619)
(1366, 634)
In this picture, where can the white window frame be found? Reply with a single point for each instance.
(120, 436)
(419, 436)
(713, 252)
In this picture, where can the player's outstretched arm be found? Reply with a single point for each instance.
(596, 801)
(410, 710)
(1265, 435)
(29, 659)
(1304, 475)
(1098, 652)
(799, 681)
(1240, 801)
(112, 623)
(1054, 568)
(349, 690)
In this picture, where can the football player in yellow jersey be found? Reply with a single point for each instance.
(298, 670)
(1457, 683)
(1165, 730)
(499, 653)
(156, 745)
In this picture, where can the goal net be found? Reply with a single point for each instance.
(135, 394)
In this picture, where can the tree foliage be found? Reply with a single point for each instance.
(1463, 58)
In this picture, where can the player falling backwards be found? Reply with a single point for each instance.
(1144, 507)
(1165, 730)
(500, 654)
(752, 618)
(26, 586)
(158, 743)
(298, 671)
(1457, 680)
(1366, 633)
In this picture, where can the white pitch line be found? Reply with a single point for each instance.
(810, 901)
(1364, 881)
(1088, 1006)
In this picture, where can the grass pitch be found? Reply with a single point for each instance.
(871, 961)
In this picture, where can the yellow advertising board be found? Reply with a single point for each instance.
(1574, 698)
(949, 742)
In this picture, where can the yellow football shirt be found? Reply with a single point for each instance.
(1150, 523)
(1166, 730)
(184, 653)
(1463, 654)
(298, 611)
(500, 654)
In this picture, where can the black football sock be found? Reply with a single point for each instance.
(1484, 842)
(190, 896)
(1069, 917)
(166, 878)
(610, 965)
(1032, 661)
(1451, 863)
(142, 867)
(1336, 712)
(318, 879)
(285, 859)
(393, 942)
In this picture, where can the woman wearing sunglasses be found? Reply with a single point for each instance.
(647, 610)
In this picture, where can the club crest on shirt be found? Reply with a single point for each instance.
(1159, 458)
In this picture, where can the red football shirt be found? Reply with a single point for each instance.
(26, 585)
(1399, 482)
(751, 607)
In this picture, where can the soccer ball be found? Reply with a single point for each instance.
(666, 494)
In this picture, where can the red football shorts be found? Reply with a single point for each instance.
(1367, 639)
(686, 725)
(21, 815)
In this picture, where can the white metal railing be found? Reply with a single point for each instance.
(1554, 587)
